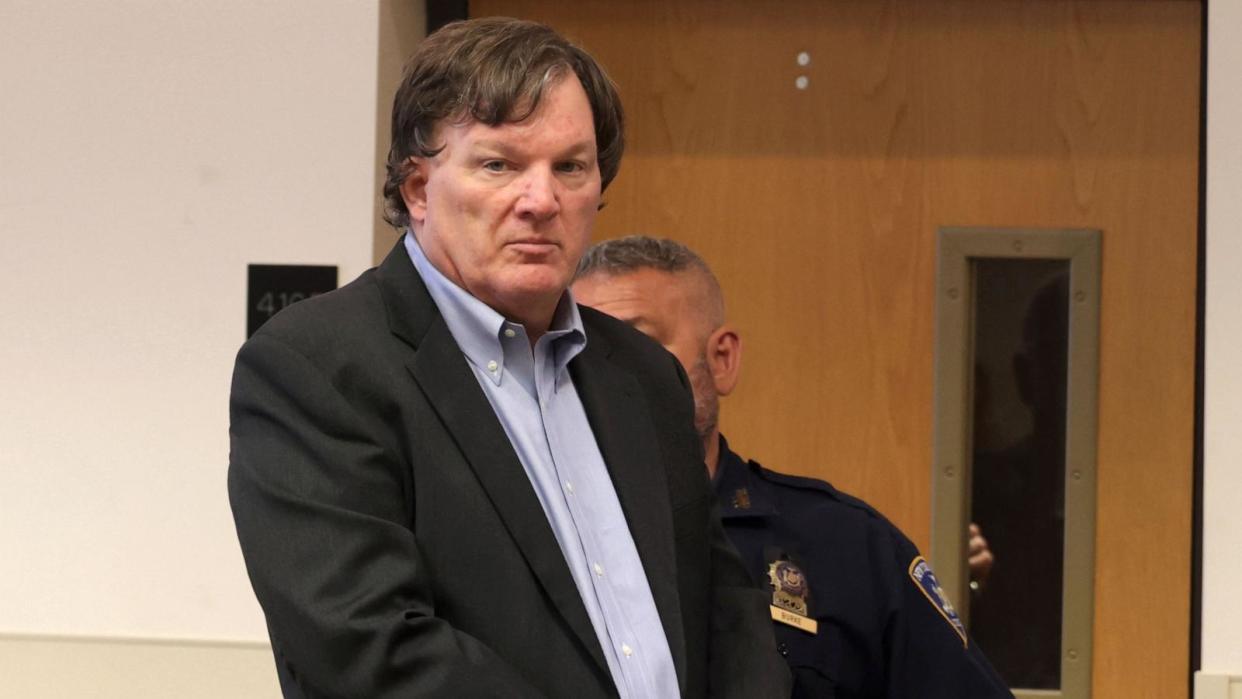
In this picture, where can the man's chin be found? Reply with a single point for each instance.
(519, 295)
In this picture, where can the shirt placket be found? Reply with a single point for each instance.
(548, 380)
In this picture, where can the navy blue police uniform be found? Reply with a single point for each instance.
(857, 610)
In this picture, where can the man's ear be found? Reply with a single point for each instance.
(724, 358)
(414, 188)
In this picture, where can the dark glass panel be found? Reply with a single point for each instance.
(1021, 340)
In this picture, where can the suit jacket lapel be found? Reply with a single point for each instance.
(627, 439)
(444, 376)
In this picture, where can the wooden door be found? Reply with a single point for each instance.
(817, 204)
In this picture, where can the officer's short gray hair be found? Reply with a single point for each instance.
(637, 252)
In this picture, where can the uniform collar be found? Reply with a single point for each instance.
(739, 489)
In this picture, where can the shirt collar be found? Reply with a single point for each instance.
(479, 329)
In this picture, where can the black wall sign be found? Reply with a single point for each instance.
(272, 287)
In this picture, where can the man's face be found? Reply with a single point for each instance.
(505, 212)
(671, 309)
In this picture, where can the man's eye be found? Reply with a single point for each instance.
(570, 167)
(494, 165)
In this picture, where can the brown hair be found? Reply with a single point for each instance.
(493, 70)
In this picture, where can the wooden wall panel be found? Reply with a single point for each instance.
(818, 210)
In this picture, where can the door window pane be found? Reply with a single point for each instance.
(1021, 341)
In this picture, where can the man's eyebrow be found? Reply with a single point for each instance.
(583, 147)
(495, 146)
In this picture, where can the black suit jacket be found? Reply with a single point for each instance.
(399, 550)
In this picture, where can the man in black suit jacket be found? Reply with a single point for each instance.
(392, 533)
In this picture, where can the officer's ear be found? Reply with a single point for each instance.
(724, 358)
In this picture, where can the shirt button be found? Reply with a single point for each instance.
(510, 332)
(627, 650)
(491, 366)
(570, 487)
(599, 570)
(784, 649)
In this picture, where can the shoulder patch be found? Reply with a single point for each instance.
(923, 577)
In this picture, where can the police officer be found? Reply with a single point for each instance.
(857, 611)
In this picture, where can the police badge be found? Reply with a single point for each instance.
(789, 594)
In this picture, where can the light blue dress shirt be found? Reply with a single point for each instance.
(534, 398)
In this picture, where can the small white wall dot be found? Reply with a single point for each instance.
(801, 82)
(804, 58)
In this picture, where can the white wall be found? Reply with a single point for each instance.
(1222, 539)
(149, 150)
(43, 667)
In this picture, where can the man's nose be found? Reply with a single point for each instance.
(540, 195)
